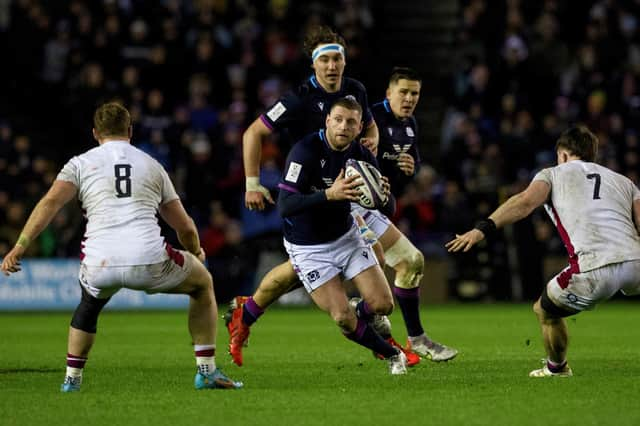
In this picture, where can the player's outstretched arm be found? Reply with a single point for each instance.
(177, 218)
(46, 209)
(515, 208)
(252, 138)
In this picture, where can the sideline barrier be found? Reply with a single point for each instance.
(52, 284)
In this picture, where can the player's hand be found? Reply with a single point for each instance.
(371, 144)
(344, 188)
(11, 262)
(201, 255)
(386, 186)
(256, 194)
(406, 163)
(465, 241)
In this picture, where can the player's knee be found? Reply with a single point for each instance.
(408, 262)
(85, 317)
(382, 305)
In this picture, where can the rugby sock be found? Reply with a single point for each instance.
(556, 367)
(251, 312)
(363, 311)
(75, 364)
(409, 301)
(365, 336)
(205, 358)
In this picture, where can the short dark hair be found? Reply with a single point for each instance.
(348, 102)
(321, 35)
(404, 73)
(579, 141)
(112, 119)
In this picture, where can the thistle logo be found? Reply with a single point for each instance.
(312, 276)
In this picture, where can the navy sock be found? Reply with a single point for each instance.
(251, 312)
(409, 301)
(363, 311)
(365, 336)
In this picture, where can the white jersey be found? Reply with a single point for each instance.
(592, 208)
(120, 188)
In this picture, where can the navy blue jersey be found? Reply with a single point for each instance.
(396, 136)
(311, 168)
(304, 110)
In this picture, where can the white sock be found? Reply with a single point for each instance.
(206, 364)
(74, 372)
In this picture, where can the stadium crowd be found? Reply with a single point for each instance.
(526, 71)
(194, 74)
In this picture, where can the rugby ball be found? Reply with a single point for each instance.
(371, 194)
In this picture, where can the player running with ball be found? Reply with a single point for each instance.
(320, 235)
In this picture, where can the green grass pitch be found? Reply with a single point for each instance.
(299, 370)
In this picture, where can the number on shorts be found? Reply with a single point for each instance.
(596, 187)
(123, 180)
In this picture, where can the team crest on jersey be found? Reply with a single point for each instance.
(409, 131)
(313, 276)
(321, 106)
(390, 130)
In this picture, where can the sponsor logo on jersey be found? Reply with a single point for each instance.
(276, 111)
(322, 163)
(294, 172)
(365, 254)
(327, 181)
(389, 156)
(401, 148)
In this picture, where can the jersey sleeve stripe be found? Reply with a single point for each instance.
(266, 122)
(288, 188)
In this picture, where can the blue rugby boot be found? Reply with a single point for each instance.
(71, 384)
(215, 380)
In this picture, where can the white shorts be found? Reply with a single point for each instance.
(376, 221)
(584, 290)
(316, 264)
(103, 282)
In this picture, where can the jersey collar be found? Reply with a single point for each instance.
(314, 82)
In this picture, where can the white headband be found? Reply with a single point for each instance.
(324, 48)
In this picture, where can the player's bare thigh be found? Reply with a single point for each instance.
(389, 237)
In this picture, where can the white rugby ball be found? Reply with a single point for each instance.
(371, 194)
